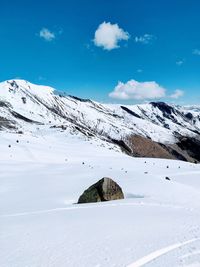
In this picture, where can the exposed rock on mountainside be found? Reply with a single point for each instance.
(104, 190)
(187, 149)
(191, 146)
(156, 129)
(144, 147)
(6, 124)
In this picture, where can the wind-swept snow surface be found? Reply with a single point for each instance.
(44, 171)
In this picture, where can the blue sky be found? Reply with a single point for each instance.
(136, 42)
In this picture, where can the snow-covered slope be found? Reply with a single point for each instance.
(23, 106)
(42, 175)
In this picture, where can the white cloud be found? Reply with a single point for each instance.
(144, 39)
(108, 35)
(196, 52)
(177, 93)
(138, 90)
(47, 35)
(179, 62)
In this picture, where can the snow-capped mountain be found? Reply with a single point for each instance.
(24, 106)
(54, 147)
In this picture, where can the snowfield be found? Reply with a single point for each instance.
(42, 175)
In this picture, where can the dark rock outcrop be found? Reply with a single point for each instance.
(191, 145)
(130, 112)
(104, 190)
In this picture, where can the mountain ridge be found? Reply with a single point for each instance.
(159, 125)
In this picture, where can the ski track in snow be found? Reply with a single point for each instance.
(82, 206)
(158, 253)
